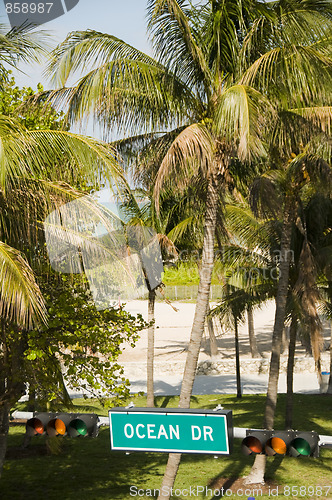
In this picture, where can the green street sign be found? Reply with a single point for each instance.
(172, 430)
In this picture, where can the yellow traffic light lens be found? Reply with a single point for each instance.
(60, 427)
(254, 444)
(279, 445)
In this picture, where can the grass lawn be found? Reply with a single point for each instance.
(187, 273)
(86, 469)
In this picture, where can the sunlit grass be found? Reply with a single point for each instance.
(186, 273)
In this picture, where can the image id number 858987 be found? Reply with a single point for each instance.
(28, 8)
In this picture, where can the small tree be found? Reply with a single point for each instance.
(36, 168)
(79, 343)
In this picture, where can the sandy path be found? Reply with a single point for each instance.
(173, 329)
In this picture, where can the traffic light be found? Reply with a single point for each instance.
(63, 424)
(273, 443)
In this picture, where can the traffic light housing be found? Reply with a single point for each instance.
(271, 443)
(63, 424)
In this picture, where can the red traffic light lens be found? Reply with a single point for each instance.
(35, 426)
(38, 426)
(254, 444)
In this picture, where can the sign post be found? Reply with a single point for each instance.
(173, 430)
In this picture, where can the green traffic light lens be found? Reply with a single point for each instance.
(302, 446)
(79, 426)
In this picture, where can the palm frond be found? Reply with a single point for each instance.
(309, 167)
(77, 157)
(135, 96)
(291, 131)
(122, 86)
(319, 116)
(175, 43)
(84, 50)
(236, 300)
(279, 65)
(177, 231)
(20, 298)
(14, 145)
(51, 154)
(240, 120)
(264, 198)
(22, 44)
(148, 159)
(246, 229)
(308, 292)
(191, 150)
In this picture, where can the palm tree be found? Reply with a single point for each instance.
(231, 311)
(309, 290)
(304, 169)
(248, 258)
(318, 213)
(143, 214)
(201, 85)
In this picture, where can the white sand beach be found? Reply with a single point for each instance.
(172, 336)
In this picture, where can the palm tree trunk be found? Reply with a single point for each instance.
(284, 340)
(329, 389)
(150, 357)
(257, 472)
(197, 331)
(237, 359)
(290, 373)
(279, 321)
(32, 399)
(4, 428)
(212, 337)
(4, 409)
(251, 332)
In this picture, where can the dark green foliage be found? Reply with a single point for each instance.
(14, 102)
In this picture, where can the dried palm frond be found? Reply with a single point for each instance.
(307, 290)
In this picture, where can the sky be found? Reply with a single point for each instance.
(124, 19)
